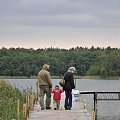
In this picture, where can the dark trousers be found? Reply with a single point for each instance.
(68, 99)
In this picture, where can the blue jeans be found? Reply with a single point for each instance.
(68, 99)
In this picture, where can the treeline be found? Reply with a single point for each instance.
(88, 61)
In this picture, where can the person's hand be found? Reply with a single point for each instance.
(50, 85)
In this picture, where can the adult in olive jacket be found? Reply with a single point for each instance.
(69, 85)
(45, 83)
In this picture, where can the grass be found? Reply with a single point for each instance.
(8, 102)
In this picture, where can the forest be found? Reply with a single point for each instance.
(88, 61)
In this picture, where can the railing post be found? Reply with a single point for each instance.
(119, 96)
(84, 105)
(93, 114)
(28, 103)
(80, 97)
(32, 101)
(18, 108)
(36, 91)
(24, 112)
(95, 105)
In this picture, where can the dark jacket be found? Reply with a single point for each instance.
(69, 81)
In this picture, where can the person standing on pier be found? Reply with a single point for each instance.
(45, 83)
(56, 97)
(69, 85)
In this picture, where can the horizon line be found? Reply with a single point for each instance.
(61, 48)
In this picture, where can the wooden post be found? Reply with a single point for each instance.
(28, 104)
(80, 98)
(36, 91)
(32, 101)
(18, 108)
(84, 105)
(24, 112)
(93, 114)
(31, 92)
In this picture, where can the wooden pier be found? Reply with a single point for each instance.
(78, 112)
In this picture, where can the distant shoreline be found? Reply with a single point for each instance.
(60, 77)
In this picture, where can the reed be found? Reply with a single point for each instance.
(9, 102)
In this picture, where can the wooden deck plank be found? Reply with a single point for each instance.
(76, 113)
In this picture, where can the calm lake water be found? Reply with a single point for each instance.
(81, 84)
(105, 108)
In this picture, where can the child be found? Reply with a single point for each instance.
(57, 96)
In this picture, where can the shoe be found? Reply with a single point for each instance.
(55, 108)
(66, 108)
(48, 108)
(69, 108)
(42, 108)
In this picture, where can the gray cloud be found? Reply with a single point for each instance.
(78, 13)
(22, 17)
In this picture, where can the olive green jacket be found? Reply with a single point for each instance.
(44, 78)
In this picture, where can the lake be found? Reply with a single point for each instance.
(105, 108)
(81, 84)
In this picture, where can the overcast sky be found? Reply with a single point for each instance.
(59, 23)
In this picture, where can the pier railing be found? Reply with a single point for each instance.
(31, 99)
(20, 105)
(107, 97)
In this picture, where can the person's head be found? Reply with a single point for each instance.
(46, 67)
(56, 86)
(72, 70)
